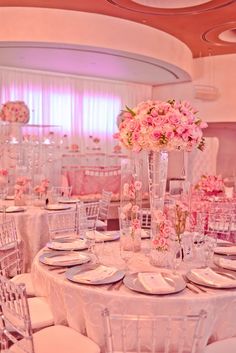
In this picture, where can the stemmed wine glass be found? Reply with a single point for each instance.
(126, 249)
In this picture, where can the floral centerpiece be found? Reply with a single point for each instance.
(157, 125)
(210, 185)
(3, 177)
(42, 188)
(21, 187)
(15, 111)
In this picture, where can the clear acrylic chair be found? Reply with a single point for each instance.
(63, 224)
(39, 311)
(16, 317)
(8, 235)
(61, 192)
(88, 215)
(153, 334)
(11, 267)
(145, 217)
(104, 204)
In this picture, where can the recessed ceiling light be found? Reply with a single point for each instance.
(228, 36)
(170, 4)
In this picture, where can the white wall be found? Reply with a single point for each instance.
(219, 71)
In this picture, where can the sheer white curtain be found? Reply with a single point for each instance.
(82, 107)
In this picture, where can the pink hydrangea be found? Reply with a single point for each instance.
(156, 125)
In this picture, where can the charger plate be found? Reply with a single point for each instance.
(73, 275)
(57, 207)
(67, 244)
(61, 259)
(221, 285)
(176, 282)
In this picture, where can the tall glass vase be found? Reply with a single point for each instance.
(131, 202)
(158, 167)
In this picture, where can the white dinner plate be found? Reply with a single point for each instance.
(68, 201)
(13, 209)
(108, 274)
(225, 262)
(225, 250)
(59, 258)
(215, 280)
(104, 236)
(57, 207)
(176, 284)
(67, 244)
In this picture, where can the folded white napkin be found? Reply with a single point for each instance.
(98, 274)
(227, 263)
(154, 282)
(65, 259)
(70, 245)
(208, 276)
(97, 236)
(231, 250)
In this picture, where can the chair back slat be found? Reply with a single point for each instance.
(15, 316)
(8, 234)
(153, 334)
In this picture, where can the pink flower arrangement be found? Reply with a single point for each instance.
(210, 184)
(3, 172)
(21, 186)
(164, 232)
(15, 112)
(42, 188)
(156, 125)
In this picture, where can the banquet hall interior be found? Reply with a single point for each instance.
(117, 176)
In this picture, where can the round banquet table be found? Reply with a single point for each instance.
(80, 305)
(32, 230)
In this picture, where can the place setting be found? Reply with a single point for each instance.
(213, 278)
(12, 209)
(94, 274)
(102, 236)
(64, 259)
(155, 283)
(56, 207)
(67, 244)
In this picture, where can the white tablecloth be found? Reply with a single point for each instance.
(80, 306)
(32, 229)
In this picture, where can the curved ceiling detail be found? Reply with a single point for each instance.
(204, 6)
(221, 35)
(170, 4)
(72, 40)
(88, 61)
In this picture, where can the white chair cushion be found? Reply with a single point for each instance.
(26, 279)
(40, 313)
(224, 346)
(60, 339)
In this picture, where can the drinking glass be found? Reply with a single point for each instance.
(176, 258)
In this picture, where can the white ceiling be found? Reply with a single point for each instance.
(89, 61)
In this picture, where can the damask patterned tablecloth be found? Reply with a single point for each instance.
(32, 229)
(80, 305)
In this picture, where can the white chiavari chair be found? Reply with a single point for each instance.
(88, 215)
(160, 333)
(11, 267)
(8, 235)
(63, 224)
(61, 192)
(16, 317)
(104, 204)
(39, 310)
